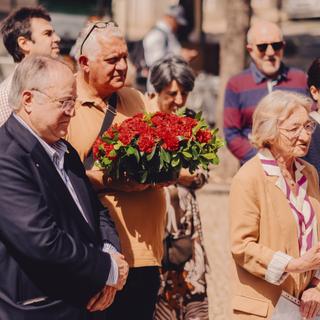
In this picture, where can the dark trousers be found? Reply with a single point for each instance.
(138, 298)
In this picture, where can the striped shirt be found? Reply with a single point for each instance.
(300, 204)
(243, 93)
(56, 152)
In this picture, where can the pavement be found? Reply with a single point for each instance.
(213, 203)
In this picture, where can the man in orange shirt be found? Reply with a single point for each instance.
(137, 209)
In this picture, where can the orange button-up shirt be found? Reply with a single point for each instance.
(139, 216)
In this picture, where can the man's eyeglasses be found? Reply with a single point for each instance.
(66, 104)
(295, 132)
(97, 25)
(276, 46)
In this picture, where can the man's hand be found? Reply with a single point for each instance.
(125, 184)
(102, 299)
(96, 179)
(307, 262)
(310, 303)
(123, 270)
(101, 181)
(188, 180)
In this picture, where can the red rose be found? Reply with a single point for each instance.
(146, 143)
(204, 136)
(95, 148)
(107, 149)
(170, 143)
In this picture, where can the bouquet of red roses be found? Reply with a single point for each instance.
(153, 147)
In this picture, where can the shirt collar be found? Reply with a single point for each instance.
(87, 95)
(259, 77)
(271, 167)
(164, 26)
(56, 151)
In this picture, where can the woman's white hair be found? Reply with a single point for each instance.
(33, 72)
(271, 111)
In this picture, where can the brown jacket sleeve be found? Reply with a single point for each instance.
(245, 220)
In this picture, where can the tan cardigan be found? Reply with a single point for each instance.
(261, 224)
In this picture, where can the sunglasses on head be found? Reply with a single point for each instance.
(97, 25)
(276, 46)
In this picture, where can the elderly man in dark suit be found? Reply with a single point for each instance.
(58, 247)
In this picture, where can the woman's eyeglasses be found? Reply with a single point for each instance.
(295, 132)
(97, 25)
(276, 46)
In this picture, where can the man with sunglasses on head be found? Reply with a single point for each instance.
(266, 73)
(26, 31)
(58, 243)
(137, 209)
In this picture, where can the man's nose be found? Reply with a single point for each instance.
(70, 112)
(56, 38)
(270, 51)
(122, 64)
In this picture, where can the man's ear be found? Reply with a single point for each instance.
(84, 63)
(249, 47)
(314, 93)
(24, 44)
(26, 100)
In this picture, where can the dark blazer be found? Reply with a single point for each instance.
(46, 246)
(313, 155)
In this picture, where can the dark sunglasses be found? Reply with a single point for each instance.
(276, 46)
(97, 25)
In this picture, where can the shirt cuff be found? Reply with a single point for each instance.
(109, 248)
(276, 269)
(113, 274)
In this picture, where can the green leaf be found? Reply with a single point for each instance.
(106, 161)
(198, 116)
(117, 146)
(165, 155)
(137, 155)
(161, 163)
(181, 112)
(209, 156)
(112, 153)
(130, 150)
(144, 177)
(106, 140)
(151, 154)
(195, 151)
(175, 162)
(187, 155)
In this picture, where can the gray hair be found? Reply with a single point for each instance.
(272, 110)
(33, 72)
(92, 46)
(164, 71)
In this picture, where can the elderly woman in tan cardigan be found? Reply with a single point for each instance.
(275, 213)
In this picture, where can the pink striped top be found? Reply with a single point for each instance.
(300, 205)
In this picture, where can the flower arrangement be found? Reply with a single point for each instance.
(153, 147)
